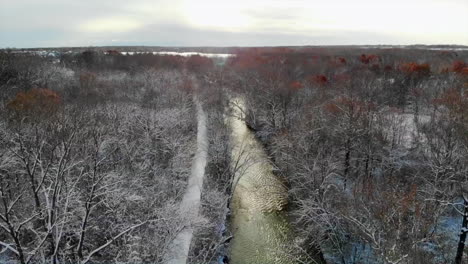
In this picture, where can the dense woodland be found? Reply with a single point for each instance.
(96, 148)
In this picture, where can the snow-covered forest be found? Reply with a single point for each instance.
(124, 156)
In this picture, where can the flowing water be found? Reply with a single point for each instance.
(261, 232)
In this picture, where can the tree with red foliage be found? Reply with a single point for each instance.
(456, 102)
(198, 64)
(247, 60)
(366, 59)
(35, 102)
(267, 74)
(412, 74)
(318, 79)
(296, 86)
(415, 68)
(171, 61)
(458, 66)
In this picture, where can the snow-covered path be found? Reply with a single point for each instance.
(190, 204)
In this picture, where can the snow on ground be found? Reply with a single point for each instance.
(184, 54)
(405, 128)
(354, 252)
(447, 231)
(448, 49)
(55, 53)
(190, 205)
(187, 54)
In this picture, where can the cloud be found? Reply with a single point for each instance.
(112, 24)
(182, 35)
(30, 23)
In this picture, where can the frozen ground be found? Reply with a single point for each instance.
(190, 204)
(185, 54)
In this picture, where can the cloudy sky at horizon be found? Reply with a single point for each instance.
(54, 23)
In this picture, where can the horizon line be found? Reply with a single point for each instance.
(233, 46)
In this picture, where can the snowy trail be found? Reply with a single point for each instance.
(190, 204)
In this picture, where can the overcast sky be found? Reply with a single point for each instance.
(54, 23)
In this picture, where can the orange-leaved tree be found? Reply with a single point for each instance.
(342, 60)
(416, 68)
(456, 101)
(318, 79)
(36, 101)
(296, 86)
(198, 64)
(458, 66)
(366, 59)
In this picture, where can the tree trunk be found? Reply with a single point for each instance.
(346, 163)
(463, 233)
(83, 227)
(19, 248)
